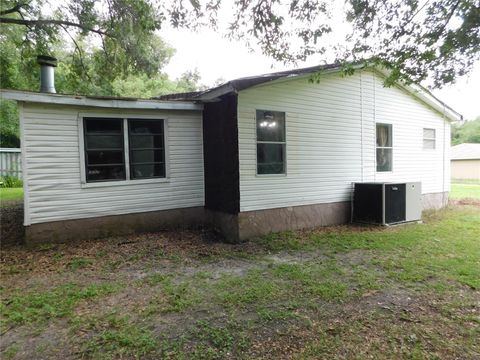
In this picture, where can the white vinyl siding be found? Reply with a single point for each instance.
(52, 155)
(331, 139)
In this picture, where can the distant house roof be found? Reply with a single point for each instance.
(234, 86)
(465, 152)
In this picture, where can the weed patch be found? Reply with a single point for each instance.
(114, 336)
(34, 307)
(79, 263)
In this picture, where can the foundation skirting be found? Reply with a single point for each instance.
(234, 227)
(106, 226)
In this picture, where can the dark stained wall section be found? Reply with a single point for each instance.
(220, 151)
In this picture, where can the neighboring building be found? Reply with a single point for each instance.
(465, 162)
(254, 155)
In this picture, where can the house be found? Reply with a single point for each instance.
(465, 162)
(255, 155)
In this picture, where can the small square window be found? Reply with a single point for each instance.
(429, 139)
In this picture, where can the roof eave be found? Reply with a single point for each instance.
(215, 93)
(85, 101)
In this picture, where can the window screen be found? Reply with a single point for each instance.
(104, 150)
(384, 147)
(271, 143)
(147, 148)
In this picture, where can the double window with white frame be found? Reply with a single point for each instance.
(271, 142)
(119, 149)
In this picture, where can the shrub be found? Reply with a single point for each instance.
(10, 182)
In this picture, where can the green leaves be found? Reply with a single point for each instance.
(469, 132)
(435, 41)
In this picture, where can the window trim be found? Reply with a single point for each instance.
(128, 181)
(270, 142)
(434, 139)
(383, 147)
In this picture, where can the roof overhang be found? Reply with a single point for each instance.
(98, 102)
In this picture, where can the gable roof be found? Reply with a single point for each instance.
(244, 83)
(465, 151)
(234, 86)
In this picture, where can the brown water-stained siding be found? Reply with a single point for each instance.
(220, 144)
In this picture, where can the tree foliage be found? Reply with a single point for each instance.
(127, 60)
(437, 40)
(9, 131)
(468, 132)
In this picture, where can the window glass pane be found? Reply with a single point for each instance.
(104, 153)
(146, 141)
(384, 159)
(270, 159)
(104, 173)
(146, 156)
(102, 125)
(147, 171)
(104, 142)
(147, 152)
(384, 135)
(429, 133)
(270, 126)
(139, 126)
(428, 144)
(104, 157)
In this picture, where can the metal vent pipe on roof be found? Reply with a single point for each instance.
(47, 73)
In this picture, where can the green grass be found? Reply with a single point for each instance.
(41, 306)
(170, 296)
(447, 250)
(115, 336)
(78, 263)
(461, 191)
(304, 289)
(11, 194)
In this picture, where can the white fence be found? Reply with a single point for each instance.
(11, 162)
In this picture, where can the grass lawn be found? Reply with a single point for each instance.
(11, 194)
(461, 191)
(407, 292)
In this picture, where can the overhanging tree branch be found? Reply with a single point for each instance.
(12, 10)
(51, 22)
